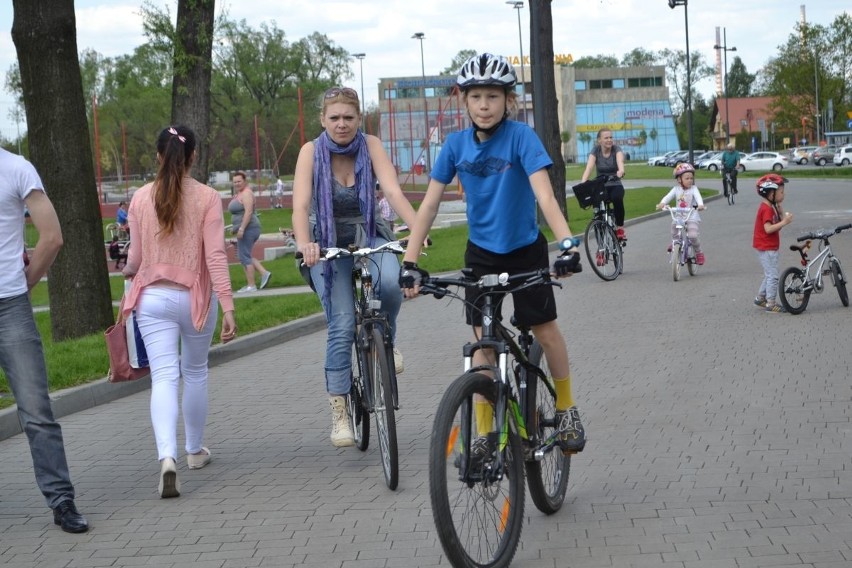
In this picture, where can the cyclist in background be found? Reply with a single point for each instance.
(686, 194)
(502, 165)
(608, 159)
(730, 164)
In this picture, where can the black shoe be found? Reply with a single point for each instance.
(69, 518)
(482, 450)
(572, 435)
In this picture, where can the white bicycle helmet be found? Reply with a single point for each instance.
(486, 69)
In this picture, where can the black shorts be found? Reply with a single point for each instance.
(533, 306)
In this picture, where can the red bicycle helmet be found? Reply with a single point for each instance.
(769, 182)
(682, 168)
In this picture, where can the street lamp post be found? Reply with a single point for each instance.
(725, 47)
(421, 36)
(360, 57)
(517, 5)
(672, 5)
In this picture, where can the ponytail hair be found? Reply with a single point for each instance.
(176, 147)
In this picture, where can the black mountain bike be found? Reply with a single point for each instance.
(374, 386)
(603, 247)
(488, 429)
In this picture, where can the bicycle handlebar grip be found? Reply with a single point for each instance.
(806, 237)
(843, 227)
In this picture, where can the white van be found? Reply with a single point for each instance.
(843, 156)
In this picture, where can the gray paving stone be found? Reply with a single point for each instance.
(719, 434)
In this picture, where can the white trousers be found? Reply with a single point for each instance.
(175, 349)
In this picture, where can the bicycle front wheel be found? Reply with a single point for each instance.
(603, 250)
(691, 262)
(793, 295)
(839, 281)
(358, 416)
(547, 479)
(676, 261)
(383, 410)
(477, 505)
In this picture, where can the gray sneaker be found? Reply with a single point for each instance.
(572, 435)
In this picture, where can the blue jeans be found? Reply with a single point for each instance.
(340, 312)
(22, 359)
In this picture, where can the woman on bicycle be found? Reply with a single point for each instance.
(608, 159)
(686, 194)
(334, 205)
(503, 167)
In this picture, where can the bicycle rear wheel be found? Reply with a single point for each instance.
(547, 479)
(793, 295)
(358, 416)
(676, 260)
(839, 281)
(478, 510)
(383, 411)
(603, 250)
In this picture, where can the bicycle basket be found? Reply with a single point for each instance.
(590, 192)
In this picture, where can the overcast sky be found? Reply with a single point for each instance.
(383, 28)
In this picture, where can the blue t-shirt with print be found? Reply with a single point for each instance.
(494, 175)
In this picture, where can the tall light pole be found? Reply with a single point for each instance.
(725, 47)
(421, 36)
(672, 5)
(517, 5)
(360, 57)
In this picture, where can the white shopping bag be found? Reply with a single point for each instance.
(135, 346)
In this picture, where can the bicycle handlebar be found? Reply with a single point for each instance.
(437, 285)
(332, 253)
(823, 235)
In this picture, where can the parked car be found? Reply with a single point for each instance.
(715, 164)
(701, 161)
(801, 154)
(823, 155)
(661, 160)
(843, 156)
(764, 161)
(677, 158)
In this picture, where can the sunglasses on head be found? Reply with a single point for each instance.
(345, 91)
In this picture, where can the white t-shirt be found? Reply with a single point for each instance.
(18, 178)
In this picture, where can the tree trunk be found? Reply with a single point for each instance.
(44, 33)
(192, 74)
(545, 103)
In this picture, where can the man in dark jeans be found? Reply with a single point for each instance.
(730, 163)
(21, 352)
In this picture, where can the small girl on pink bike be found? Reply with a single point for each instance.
(686, 194)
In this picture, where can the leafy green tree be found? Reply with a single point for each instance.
(458, 61)
(639, 57)
(675, 62)
(739, 79)
(595, 61)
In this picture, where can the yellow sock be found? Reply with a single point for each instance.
(484, 417)
(564, 400)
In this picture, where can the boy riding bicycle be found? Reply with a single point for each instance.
(503, 167)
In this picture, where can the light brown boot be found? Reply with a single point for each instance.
(341, 430)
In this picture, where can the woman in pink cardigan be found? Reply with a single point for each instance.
(179, 269)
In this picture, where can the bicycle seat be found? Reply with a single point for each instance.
(801, 248)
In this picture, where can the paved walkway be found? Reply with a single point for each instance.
(719, 436)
